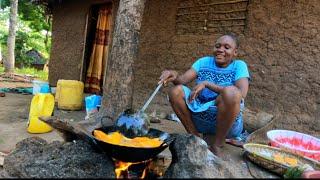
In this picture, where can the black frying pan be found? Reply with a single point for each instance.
(134, 154)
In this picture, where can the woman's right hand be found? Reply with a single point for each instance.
(168, 76)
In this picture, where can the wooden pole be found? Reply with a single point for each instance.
(118, 85)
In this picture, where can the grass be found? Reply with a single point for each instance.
(41, 75)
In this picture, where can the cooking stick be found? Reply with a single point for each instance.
(151, 97)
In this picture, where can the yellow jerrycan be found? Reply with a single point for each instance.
(69, 94)
(42, 104)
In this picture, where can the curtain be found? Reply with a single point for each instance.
(99, 54)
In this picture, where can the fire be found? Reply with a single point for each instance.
(121, 168)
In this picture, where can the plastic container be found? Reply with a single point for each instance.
(42, 104)
(69, 94)
(92, 103)
(40, 87)
(296, 142)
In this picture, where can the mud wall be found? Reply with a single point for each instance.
(279, 40)
(68, 39)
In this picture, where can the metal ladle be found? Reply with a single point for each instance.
(135, 124)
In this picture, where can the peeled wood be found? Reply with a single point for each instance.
(2, 156)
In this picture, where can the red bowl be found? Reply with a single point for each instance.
(296, 142)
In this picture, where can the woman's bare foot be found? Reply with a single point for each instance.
(216, 151)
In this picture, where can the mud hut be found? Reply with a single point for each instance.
(279, 39)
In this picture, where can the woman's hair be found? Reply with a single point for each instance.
(234, 37)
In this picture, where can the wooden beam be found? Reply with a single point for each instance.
(214, 4)
(118, 86)
(213, 12)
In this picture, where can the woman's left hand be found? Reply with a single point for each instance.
(196, 90)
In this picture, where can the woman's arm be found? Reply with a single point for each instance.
(172, 76)
(242, 84)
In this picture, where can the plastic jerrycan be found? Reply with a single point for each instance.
(42, 104)
(69, 94)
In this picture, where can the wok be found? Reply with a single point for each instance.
(133, 154)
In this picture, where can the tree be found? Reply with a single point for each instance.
(123, 54)
(33, 31)
(9, 62)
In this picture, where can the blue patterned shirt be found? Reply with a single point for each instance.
(207, 70)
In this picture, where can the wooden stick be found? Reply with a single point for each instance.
(2, 156)
(226, 25)
(212, 4)
(227, 19)
(213, 12)
(83, 60)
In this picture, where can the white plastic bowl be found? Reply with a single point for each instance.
(295, 142)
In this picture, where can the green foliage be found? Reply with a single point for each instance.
(34, 72)
(293, 172)
(4, 23)
(42, 75)
(33, 31)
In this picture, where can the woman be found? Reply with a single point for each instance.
(214, 106)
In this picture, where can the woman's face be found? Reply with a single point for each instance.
(225, 50)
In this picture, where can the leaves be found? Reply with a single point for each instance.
(293, 173)
(33, 28)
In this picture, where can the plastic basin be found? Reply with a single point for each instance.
(296, 142)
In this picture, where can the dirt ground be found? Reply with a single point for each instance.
(14, 111)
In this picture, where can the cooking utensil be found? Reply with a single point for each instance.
(133, 154)
(135, 124)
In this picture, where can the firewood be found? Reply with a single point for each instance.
(71, 130)
(2, 156)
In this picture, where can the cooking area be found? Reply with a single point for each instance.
(132, 157)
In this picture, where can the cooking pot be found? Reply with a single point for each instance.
(133, 154)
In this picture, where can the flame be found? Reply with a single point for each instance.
(122, 168)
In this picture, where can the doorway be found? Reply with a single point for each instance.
(97, 45)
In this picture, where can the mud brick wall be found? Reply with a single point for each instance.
(279, 40)
(68, 39)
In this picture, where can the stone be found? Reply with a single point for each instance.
(191, 158)
(35, 158)
(254, 120)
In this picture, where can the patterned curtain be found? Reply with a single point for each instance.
(99, 54)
